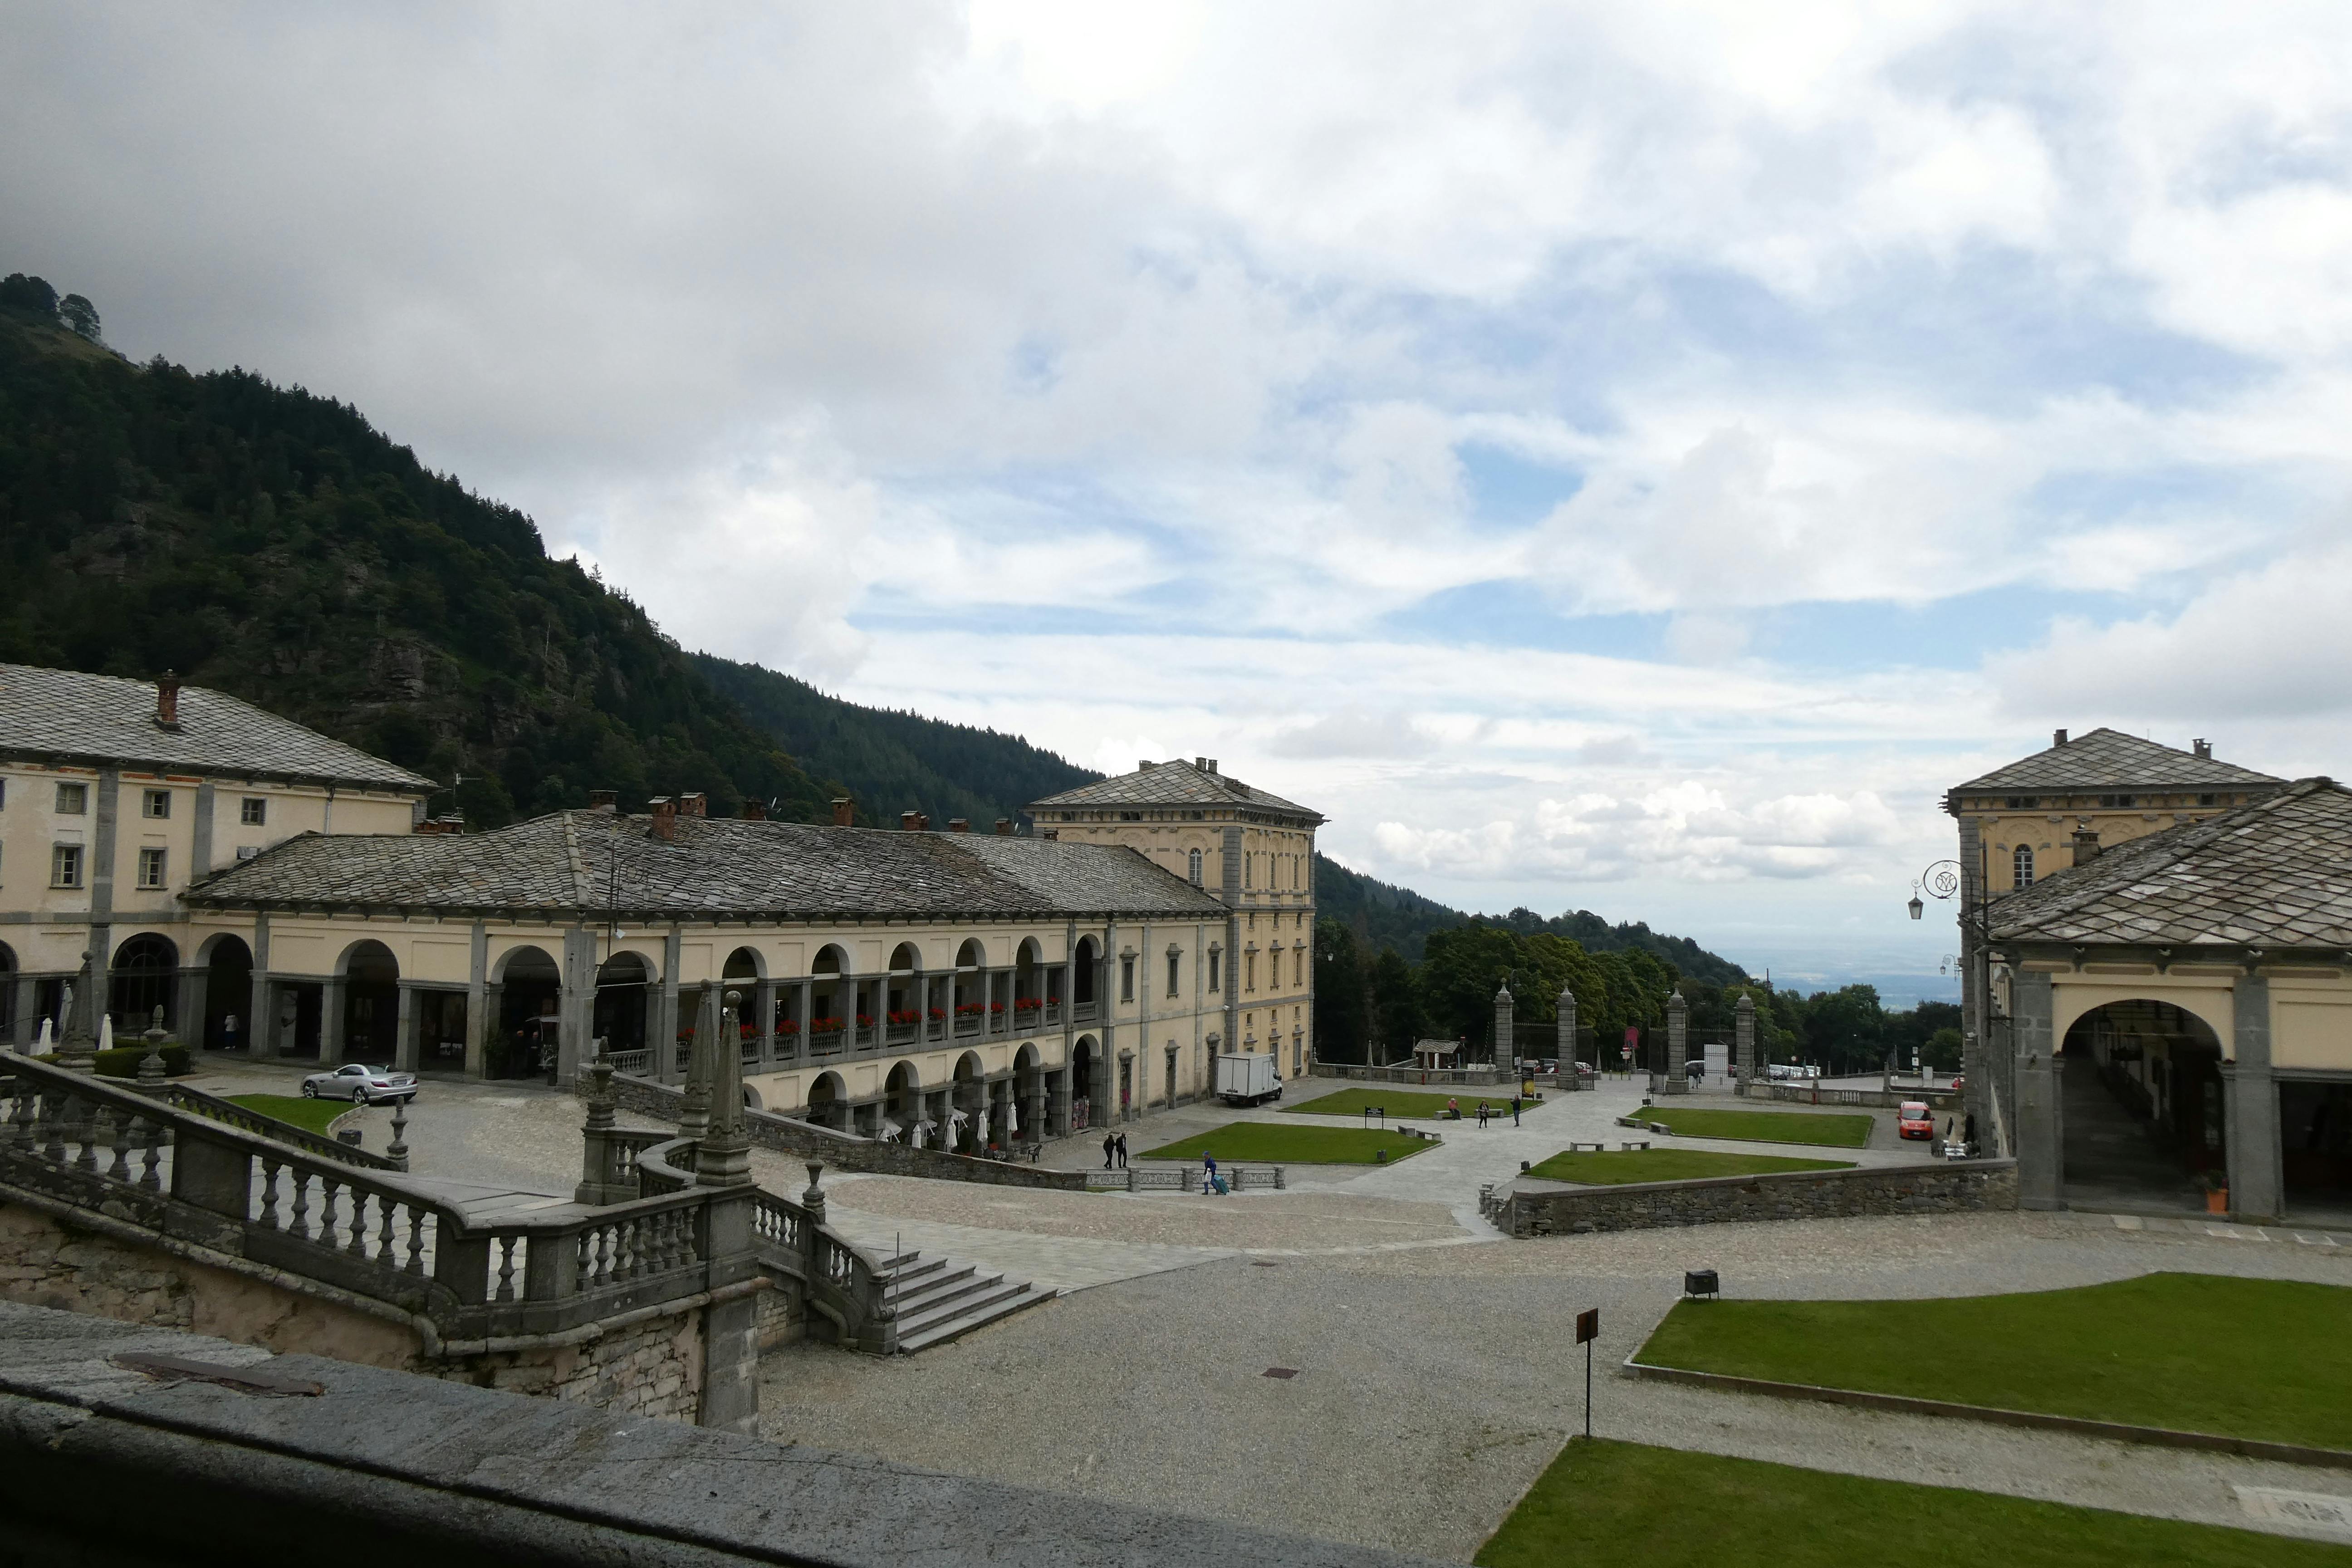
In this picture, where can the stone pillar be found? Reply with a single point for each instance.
(722, 1166)
(405, 1056)
(333, 996)
(807, 1003)
(1677, 1044)
(575, 1004)
(2251, 1106)
(1507, 1045)
(1743, 1039)
(1564, 1034)
(2041, 1134)
(22, 1032)
(665, 1030)
(188, 1005)
(596, 1183)
(764, 999)
(1058, 1101)
(477, 1008)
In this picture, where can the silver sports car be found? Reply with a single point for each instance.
(361, 1083)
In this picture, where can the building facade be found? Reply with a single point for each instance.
(115, 795)
(2022, 824)
(1254, 853)
(2182, 1011)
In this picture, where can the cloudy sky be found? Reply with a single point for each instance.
(1630, 457)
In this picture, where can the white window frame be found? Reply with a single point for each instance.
(2020, 867)
(66, 865)
(77, 793)
(155, 804)
(160, 859)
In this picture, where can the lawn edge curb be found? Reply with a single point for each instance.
(2120, 1431)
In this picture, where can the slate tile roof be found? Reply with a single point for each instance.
(1177, 783)
(590, 862)
(2277, 873)
(2110, 760)
(63, 715)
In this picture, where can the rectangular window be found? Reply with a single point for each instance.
(1127, 980)
(1171, 974)
(65, 865)
(151, 867)
(1216, 960)
(156, 802)
(1299, 966)
(254, 811)
(73, 799)
(1249, 972)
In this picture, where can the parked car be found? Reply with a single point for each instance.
(1778, 1070)
(1584, 1068)
(1913, 1120)
(361, 1083)
(1695, 1070)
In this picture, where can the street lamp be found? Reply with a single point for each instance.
(1941, 881)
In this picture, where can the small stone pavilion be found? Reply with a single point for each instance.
(2180, 1009)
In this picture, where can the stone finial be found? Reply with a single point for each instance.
(812, 1200)
(723, 1157)
(694, 1113)
(151, 1066)
(77, 1052)
(397, 1149)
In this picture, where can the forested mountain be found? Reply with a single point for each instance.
(892, 760)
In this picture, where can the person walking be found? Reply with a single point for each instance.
(1482, 1116)
(1111, 1149)
(1122, 1150)
(1208, 1174)
(1515, 1110)
(1453, 1108)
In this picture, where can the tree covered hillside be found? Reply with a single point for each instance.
(892, 760)
(271, 543)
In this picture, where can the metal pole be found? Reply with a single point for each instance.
(1587, 1391)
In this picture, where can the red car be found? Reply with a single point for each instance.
(1913, 1120)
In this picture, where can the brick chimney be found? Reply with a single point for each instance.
(2086, 846)
(605, 802)
(910, 820)
(2057, 737)
(754, 810)
(694, 802)
(167, 701)
(450, 822)
(1144, 766)
(2203, 749)
(958, 824)
(1213, 764)
(665, 815)
(922, 822)
(844, 811)
(1004, 826)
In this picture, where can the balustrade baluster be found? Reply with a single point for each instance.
(329, 1189)
(583, 1270)
(415, 1264)
(505, 1248)
(358, 1246)
(52, 1128)
(384, 1253)
(120, 1170)
(150, 1154)
(21, 1112)
(300, 1229)
(269, 1169)
(85, 1132)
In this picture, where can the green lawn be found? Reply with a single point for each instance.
(311, 1114)
(1616, 1167)
(1762, 1126)
(1271, 1141)
(2245, 1358)
(1608, 1503)
(1402, 1104)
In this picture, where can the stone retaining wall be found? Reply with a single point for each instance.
(649, 1368)
(844, 1151)
(1957, 1187)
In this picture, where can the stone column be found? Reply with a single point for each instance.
(405, 1056)
(334, 998)
(29, 1002)
(575, 1004)
(1565, 1031)
(807, 1001)
(1507, 1045)
(477, 1008)
(1058, 1101)
(2040, 1134)
(1743, 1038)
(1677, 1044)
(722, 1166)
(764, 999)
(2251, 1106)
(664, 1029)
(188, 1005)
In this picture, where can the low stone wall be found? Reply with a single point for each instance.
(1956, 1187)
(844, 1151)
(1940, 1100)
(652, 1367)
(1435, 1077)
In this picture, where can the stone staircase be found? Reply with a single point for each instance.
(939, 1300)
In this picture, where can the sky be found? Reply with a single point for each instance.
(1631, 458)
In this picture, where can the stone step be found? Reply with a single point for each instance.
(923, 1315)
(954, 1286)
(1014, 1298)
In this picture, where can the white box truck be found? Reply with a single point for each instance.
(1246, 1078)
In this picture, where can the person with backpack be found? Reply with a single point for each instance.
(1209, 1183)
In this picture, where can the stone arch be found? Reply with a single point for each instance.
(2142, 1112)
(530, 988)
(971, 954)
(623, 987)
(832, 996)
(906, 959)
(828, 1102)
(227, 964)
(2212, 1005)
(1086, 966)
(371, 1000)
(144, 976)
(744, 964)
(1086, 1062)
(902, 1094)
(751, 1100)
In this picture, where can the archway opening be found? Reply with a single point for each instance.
(1084, 964)
(827, 1107)
(530, 986)
(2315, 1149)
(621, 987)
(969, 1095)
(146, 969)
(831, 1004)
(371, 1003)
(228, 994)
(1082, 1083)
(902, 1003)
(902, 1098)
(2141, 1108)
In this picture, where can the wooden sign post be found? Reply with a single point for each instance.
(1588, 1329)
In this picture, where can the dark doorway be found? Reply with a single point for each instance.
(371, 1003)
(2315, 1149)
(146, 971)
(527, 1015)
(228, 995)
(2141, 1108)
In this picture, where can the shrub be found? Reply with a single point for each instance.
(123, 1061)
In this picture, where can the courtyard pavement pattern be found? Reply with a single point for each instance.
(1435, 1376)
